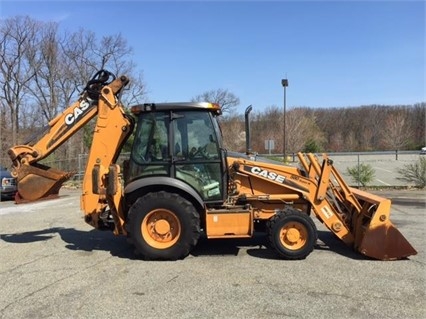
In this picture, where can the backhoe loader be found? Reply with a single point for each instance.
(180, 182)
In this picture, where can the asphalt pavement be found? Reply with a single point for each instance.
(385, 167)
(53, 265)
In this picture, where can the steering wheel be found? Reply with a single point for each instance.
(202, 151)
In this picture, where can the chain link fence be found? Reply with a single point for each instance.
(385, 165)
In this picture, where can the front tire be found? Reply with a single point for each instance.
(292, 234)
(163, 226)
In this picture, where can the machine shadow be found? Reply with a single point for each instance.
(255, 246)
(117, 245)
(328, 241)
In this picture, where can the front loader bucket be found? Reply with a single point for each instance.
(375, 235)
(385, 242)
(38, 181)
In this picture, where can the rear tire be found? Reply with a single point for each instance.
(163, 226)
(292, 234)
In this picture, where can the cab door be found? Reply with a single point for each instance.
(196, 157)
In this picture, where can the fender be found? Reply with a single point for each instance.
(154, 182)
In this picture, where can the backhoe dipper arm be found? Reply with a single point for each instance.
(66, 124)
(36, 181)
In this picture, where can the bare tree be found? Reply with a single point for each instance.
(416, 119)
(396, 134)
(86, 55)
(234, 137)
(227, 100)
(332, 126)
(136, 92)
(335, 142)
(17, 35)
(44, 70)
(351, 142)
(370, 121)
(45, 64)
(301, 127)
(267, 125)
(78, 57)
(111, 51)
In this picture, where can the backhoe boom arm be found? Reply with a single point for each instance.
(100, 97)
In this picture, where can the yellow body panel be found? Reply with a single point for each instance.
(224, 224)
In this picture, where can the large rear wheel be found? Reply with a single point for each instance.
(163, 226)
(292, 234)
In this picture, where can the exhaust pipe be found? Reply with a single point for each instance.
(247, 125)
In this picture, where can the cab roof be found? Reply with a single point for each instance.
(176, 106)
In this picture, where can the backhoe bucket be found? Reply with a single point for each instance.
(38, 181)
(375, 235)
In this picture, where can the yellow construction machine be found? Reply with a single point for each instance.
(180, 182)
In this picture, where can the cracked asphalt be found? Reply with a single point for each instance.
(53, 265)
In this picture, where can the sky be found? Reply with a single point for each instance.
(333, 53)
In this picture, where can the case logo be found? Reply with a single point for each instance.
(267, 174)
(71, 118)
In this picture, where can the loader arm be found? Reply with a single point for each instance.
(361, 220)
(36, 181)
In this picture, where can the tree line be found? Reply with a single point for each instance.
(43, 69)
(363, 128)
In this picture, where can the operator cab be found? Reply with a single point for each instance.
(181, 141)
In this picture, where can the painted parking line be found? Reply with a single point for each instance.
(383, 182)
(36, 206)
(382, 169)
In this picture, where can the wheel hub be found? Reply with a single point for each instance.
(292, 235)
(162, 227)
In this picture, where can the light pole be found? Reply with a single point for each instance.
(284, 83)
